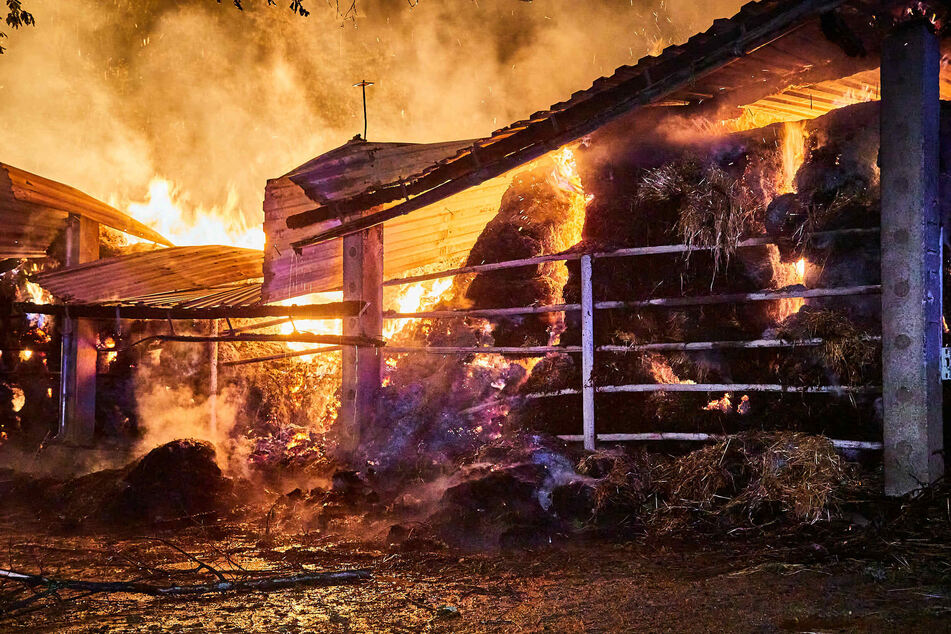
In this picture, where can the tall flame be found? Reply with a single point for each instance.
(793, 154)
(168, 212)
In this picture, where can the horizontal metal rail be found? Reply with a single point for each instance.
(701, 300)
(618, 253)
(682, 387)
(689, 346)
(700, 437)
(712, 387)
(506, 350)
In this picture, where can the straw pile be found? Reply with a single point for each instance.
(754, 479)
(625, 482)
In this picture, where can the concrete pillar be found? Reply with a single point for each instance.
(362, 367)
(77, 423)
(911, 267)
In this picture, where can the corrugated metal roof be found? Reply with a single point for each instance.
(173, 275)
(246, 293)
(33, 210)
(765, 48)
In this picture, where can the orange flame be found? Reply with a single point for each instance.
(793, 154)
(169, 212)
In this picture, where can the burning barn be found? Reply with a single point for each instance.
(689, 296)
(690, 247)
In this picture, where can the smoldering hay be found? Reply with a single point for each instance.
(107, 96)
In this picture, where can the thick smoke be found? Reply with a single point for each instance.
(107, 95)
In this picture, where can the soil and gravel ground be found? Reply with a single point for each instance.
(583, 585)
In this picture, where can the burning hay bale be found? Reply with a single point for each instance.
(541, 213)
(754, 479)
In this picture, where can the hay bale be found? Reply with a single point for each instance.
(847, 355)
(711, 211)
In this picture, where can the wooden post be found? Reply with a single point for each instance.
(77, 423)
(587, 353)
(361, 366)
(213, 383)
(911, 265)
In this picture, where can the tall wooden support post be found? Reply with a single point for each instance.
(362, 366)
(587, 353)
(77, 421)
(911, 264)
(213, 382)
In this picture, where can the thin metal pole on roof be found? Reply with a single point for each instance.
(363, 84)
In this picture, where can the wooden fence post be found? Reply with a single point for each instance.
(362, 370)
(587, 353)
(77, 422)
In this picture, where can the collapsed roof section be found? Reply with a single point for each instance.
(34, 209)
(153, 273)
(762, 57)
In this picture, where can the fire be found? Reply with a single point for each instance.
(793, 154)
(168, 212)
(34, 293)
(108, 344)
(794, 275)
(298, 439)
(417, 298)
(565, 177)
(663, 373)
(26, 354)
(725, 405)
(720, 405)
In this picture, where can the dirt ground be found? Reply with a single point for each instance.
(735, 584)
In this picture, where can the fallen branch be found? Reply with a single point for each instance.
(244, 585)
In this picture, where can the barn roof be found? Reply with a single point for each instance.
(764, 49)
(786, 59)
(161, 277)
(33, 209)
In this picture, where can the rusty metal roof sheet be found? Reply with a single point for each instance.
(176, 275)
(33, 210)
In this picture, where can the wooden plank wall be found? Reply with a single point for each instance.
(440, 234)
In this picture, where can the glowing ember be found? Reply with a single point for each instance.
(298, 439)
(26, 355)
(19, 398)
(166, 212)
